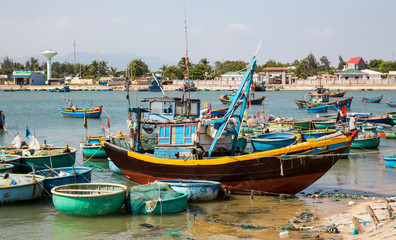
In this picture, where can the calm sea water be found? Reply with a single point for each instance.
(362, 173)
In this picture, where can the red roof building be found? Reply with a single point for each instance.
(356, 63)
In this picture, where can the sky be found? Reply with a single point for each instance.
(218, 30)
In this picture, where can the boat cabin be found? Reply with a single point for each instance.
(319, 98)
(166, 108)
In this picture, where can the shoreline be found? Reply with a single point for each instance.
(207, 87)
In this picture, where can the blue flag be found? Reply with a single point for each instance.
(28, 133)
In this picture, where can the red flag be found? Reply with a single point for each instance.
(344, 111)
(85, 123)
(210, 110)
(108, 123)
(262, 116)
(186, 60)
(184, 99)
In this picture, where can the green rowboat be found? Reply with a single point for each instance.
(89, 199)
(324, 124)
(367, 141)
(53, 157)
(390, 134)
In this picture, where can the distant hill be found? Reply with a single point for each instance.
(118, 60)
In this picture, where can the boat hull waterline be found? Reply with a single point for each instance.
(266, 172)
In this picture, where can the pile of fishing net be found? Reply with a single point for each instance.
(145, 198)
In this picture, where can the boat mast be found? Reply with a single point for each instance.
(187, 80)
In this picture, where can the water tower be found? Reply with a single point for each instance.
(49, 54)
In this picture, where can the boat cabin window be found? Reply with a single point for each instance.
(161, 107)
(176, 135)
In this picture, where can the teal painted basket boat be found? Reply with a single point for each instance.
(366, 142)
(155, 199)
(390, 161)
(390, 134)
(324, 124)
(92, 148)
(89, 199)
(11, 159)
(54, 157)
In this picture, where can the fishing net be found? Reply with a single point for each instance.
(146, 197)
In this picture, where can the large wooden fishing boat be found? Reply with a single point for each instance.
(205, 149)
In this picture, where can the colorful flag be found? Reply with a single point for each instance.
(85, 123)
(344, 111)
(262, 116)
(28, 133)
(210, 110)
(184, 100)
(103, 130)
(206, 104)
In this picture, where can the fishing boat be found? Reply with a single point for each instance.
(392, 118)
(91, 147)
(317, 109)
(373, 100)
(390, 134)
(113, 168)
(204, 149)
(378, 118)
(19, 187)
(73, 111)
(259, 86)
(225, 99)
(65, 175)
(154, 87)
(215, 112)
(390, 104)
(2, 119)
(390, 161)
(48, 157)
(155, 199)
(188, 86)
(198, 191)
(366, 140)
(15, 160)
(336, 104)
(324, 123)
(89, 199)
(338, 94)
(6, 167)
(270, 141)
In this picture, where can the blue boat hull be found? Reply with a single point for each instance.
(90, 112)
(114, 168)
(317, 109)
(198, 191)
(23, 192)
(390, 161)
(83, 175)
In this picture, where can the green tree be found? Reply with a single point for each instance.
(138, 68)
(341, 63)
(325, 64)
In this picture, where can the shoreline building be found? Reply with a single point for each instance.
(28, 77)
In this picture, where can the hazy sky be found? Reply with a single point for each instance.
(217, 29)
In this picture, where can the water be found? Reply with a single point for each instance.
(362, 173)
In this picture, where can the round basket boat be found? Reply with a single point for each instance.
(89, 199)
(6, 167)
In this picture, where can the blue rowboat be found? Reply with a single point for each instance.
(317, 109)
(19, 187)
(65, 175)
(6, 168)
(114, 168)
(390, 104)
(11, 159)
(80, 112)
(270, 141)
(54, 157)
(154, 87)
(155, 199)
(373, 100)
(390, 161)
(89, 199)
(378, 118)
(198, 190)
